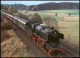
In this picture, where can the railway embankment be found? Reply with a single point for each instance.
(11, 45)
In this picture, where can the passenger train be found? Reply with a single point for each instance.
(47, 38)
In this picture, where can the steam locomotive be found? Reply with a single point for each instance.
(47, 38)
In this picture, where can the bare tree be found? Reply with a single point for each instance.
(69, 14)
(36, 18)
(22, 15)
(51, 22)
(56, 14)
(10, 10)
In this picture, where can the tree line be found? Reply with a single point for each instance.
(45, 6)
(54, 6)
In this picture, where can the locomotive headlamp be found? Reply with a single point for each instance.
(50, 46)
(55, 32)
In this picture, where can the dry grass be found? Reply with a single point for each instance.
(4, 35)
(70, 30)
(5, 26)
(11, 33)
(11, 46)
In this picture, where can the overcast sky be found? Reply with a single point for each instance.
(32, 2)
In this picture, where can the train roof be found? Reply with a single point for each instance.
(3, 12)
(6, 14)
(20, 19)
(24, 21)
(17, 18)
(9, 15)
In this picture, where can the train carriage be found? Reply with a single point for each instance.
(11, 18)
(4, 14)
(28, 28)
(8, 16)
(15, 19)
(22, 23)
(25, 25)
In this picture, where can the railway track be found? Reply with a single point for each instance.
(68, 51)
(70, 47)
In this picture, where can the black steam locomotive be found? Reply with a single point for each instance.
(48, 38)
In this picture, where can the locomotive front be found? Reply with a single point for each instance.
(54, 43)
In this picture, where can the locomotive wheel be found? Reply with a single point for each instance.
(56, 52)
(44, 46)
(36, 40)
